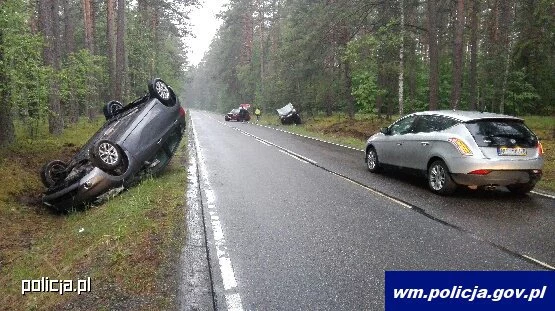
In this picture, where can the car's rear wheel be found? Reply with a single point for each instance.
(521, 188)
(439, 178)
(160, 90)
(111, 109)
(372, 160)
(53, 172)
(106, 155)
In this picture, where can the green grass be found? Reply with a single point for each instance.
(339, 129)
(129, 245)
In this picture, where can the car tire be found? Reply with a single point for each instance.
(53, 172)
(106, 155)
(372, 162)
(521, 189)
(161, 91)
(439, 178)
(297, 119)
(111, 109)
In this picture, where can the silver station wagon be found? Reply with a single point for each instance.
(469, 148)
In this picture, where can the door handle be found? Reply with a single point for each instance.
(424, 143)
(399, 144)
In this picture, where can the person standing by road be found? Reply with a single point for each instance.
(257, 113)
(242, 114)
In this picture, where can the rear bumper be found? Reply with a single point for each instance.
(464, 165)
(499, 178)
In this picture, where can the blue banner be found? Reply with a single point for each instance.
(470, 290)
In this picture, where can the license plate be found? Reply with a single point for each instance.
(506, 151)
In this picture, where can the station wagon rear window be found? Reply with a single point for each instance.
(502, 133)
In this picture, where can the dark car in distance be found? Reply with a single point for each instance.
(235, 115)
(137, 138)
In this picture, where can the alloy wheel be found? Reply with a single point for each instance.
(437, 177)
(162, 90)
(371, 159)
(108, 153)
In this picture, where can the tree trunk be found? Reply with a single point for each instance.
(72, 105)
(7, 131)
(48, 19)
(348, 91)
(69, 28)
(111, 44)
(473, 84)
(120, 51)
(433, 80)
(247, 30)
(458, 56)
(88, 21)
(505, 30)
(261, 31)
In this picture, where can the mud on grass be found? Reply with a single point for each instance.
(128, 246)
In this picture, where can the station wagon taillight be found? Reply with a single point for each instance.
(181, 112)
(461, 146)
(540, 148)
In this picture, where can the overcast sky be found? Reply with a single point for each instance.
(204, 26)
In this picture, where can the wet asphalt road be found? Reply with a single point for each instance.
(293, 223)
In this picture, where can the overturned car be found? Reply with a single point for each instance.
(288, 115)
(137, 138)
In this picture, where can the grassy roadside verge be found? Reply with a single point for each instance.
(129, 246)
(339, 129)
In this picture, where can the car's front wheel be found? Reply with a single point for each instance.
(372, 160)
(521, 188)
(439, 178)
(160, 90)
(106, 155)
(53, 172)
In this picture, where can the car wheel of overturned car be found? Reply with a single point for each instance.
(297, 119)
(53, 172)
(521, 188)
(439, 179)
(372, 160)
(106, 155)
(111, 109)
(160, 90)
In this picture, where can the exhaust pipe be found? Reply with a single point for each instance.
(490, 187)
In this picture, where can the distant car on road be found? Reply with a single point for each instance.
(139, 137)
(234, 115)
(455, 148)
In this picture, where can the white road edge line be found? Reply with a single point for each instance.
(541, 263)
(233, 299)
(543, 194)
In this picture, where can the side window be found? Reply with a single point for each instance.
(402, 126)
(422, 124)
(441, 123)
(432, 123)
